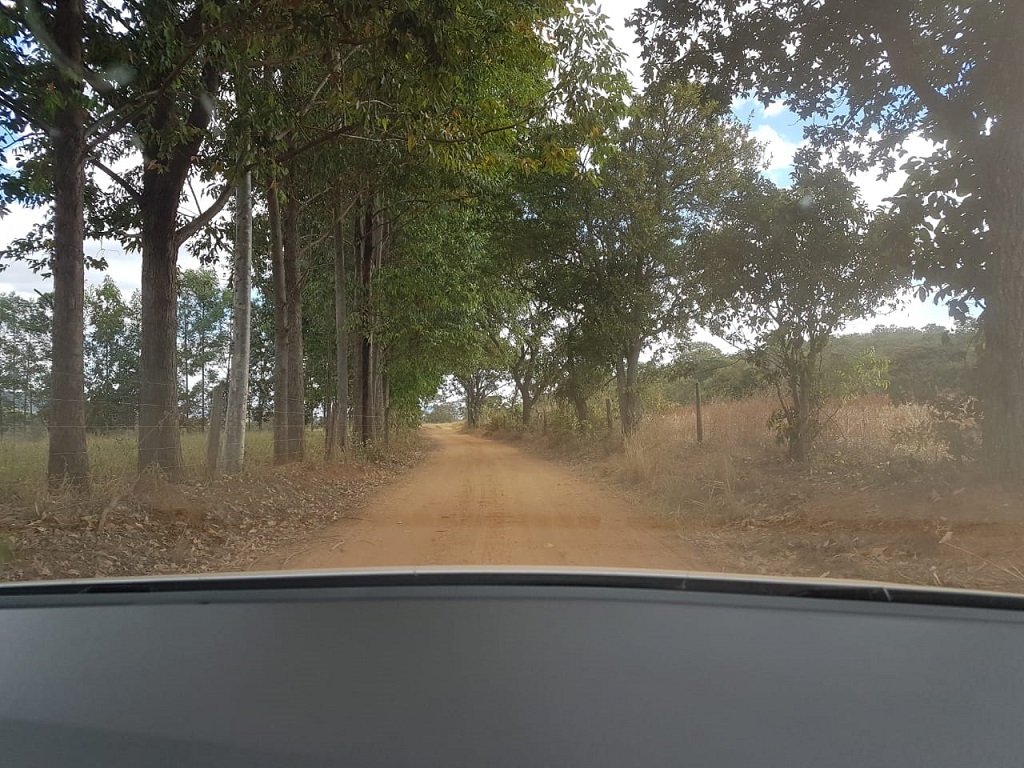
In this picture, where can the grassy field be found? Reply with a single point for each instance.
(866, 435)
(112, 456)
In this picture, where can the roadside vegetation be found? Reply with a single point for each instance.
(394, 204)
(893, 492)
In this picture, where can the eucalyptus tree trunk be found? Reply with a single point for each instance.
(296, 409)
(68, 459)
(166, 168)
(159, 438)
(379, 404)
(241, 317)
(340, 426)
(280, 329)
(365, 349)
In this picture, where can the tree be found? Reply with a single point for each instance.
(24, 357)
(533, 367)
(203, 336)
(43, 105)
(477, 386)
(442, 412)
(68, 457)
(876, 74)
(783, 269)
(241, 315)
(623, 277)
(111, 357)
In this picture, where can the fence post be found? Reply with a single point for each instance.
(700, 417)
(213, 435)
(608, 412)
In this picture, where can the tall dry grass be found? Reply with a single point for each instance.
(740, 450)
(873, 428)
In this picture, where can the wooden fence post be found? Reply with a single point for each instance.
(213, 436)
(700, 417)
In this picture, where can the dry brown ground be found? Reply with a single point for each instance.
(482, 502)
(868, 509)
(149, 527)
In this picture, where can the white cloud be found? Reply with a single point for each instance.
(778, 150)
(873, 188)
(775, 108)
(617, 12)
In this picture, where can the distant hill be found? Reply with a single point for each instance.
(923, 363)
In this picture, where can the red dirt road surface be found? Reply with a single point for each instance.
(481, 502)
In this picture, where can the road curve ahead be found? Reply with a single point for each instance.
(476, 501)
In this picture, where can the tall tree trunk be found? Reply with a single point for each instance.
(472, 407)
(626, 383)
(341, 338)
(386, 405)
(281, 368)
(159, 439)
(241, 319)
(293, 286)
(1002, 360)
(801, 425)
(366, 355)
(68, 458)
(163, 178)
(379, 240)
(356, 338)
(528, 402)
(581, 406)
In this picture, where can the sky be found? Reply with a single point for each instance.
(774, 126)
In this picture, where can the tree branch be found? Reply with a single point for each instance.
(12, 105)
(904, 57)
(318, 142)
(204, 218)
(130, 188)
(485, 132)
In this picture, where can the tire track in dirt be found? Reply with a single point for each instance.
(483, 502)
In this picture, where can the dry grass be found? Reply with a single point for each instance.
(112, 457)
(882, 499)
(127, 525)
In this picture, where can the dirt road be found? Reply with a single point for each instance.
(481, 502)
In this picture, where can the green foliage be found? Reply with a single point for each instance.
(846, 377)
(24, 358)
(203, 337)
(923, 363)
(782, 270)
(722, 376)
(442, 412)
(111, 357)
(608, 256)
(874, 79)
(869, 76)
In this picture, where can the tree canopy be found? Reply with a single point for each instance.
(869, 76)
